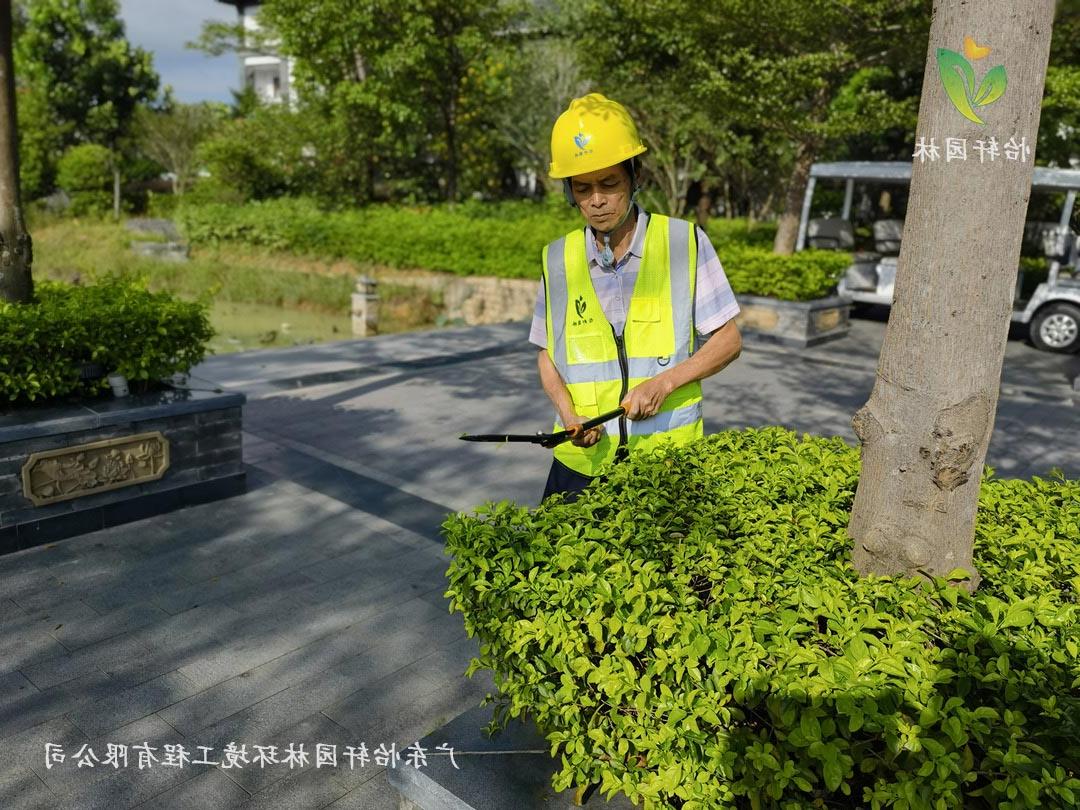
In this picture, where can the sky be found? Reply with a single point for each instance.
(163, 26)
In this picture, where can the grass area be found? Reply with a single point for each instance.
(259, 297)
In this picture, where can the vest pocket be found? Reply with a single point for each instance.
(585, 348)
(584, 396)
(645, 309)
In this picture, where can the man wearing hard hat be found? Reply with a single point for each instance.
(620, 302)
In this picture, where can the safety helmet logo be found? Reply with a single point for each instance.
(582, 140)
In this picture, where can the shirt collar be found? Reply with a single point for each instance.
(637, 243)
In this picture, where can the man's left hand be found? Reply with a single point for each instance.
(645, 400)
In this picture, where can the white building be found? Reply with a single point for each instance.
(263, 70)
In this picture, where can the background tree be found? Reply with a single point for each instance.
(738, 72)
(16, 285)
(926, 427)
(89, 77)
(171, 136)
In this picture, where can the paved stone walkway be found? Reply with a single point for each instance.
(310, 609)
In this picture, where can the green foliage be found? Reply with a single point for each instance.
(408, 89)
(801, 276)
(76, 54)
(40, 141)
(118, 324)
(691, 632)
(504, 239)
(468, 239)
(85, 173)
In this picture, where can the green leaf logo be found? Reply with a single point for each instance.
(958, 78)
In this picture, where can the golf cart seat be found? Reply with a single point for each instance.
(833, 233)
(887, 236)
(1035, 237)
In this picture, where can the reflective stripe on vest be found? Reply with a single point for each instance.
(659, 333)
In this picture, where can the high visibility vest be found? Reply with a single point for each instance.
(600, 366)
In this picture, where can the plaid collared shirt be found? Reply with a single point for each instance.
(714, 301)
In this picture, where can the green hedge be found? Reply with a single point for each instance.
(493, 239)
(117, 324)
(801, 276)
(470, 239)
(692, 633)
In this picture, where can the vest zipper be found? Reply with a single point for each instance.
(624, 368)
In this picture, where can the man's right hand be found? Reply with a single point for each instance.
(581, 438)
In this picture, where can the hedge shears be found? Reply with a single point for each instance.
(545, 439)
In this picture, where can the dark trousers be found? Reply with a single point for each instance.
(570, 482)
(561, 479)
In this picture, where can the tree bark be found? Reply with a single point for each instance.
(787, 229)
(16, 284)
(116, 189)
(927, 424)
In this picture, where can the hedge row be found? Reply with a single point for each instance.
(504, 239)
(116, 324)
(692, 633)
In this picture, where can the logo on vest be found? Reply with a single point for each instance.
(579, 306)
(663, 361)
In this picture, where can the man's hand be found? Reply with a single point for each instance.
(645, 400)
(579, 438)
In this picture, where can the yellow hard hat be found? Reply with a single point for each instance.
(594, 133)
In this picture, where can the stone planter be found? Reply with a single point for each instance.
(76, 467)
(793, 323)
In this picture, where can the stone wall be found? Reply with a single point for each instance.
(477, 299)
(205, 462)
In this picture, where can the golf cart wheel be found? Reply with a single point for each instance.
(1056, 328)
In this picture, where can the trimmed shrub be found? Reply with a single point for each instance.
(691, 633)
(500, 239)
(85, 173)
(117, 324)
(801, 276)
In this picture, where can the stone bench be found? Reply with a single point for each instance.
(511, 770)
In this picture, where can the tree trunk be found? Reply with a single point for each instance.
(787, 229)
(116, 190)
(926, 427)
(16, 284)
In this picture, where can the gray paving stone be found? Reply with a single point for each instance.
(192, 628)
(68, 777)
(126, 592)
(374, 794)
(23, 790)
(14, 687)
(78, 633)
(308, 785)
(118, 709)
(231, 588)
(279, 711)
(56, 670)
(210, 789)
(385, 547)
(31, 708)
(390, 641)
(126, 788)
(27, 648)
(26, 749)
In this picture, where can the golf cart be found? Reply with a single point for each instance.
(1051, 310)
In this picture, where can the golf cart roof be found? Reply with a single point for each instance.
(884, 171)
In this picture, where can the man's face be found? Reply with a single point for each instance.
(602, 196)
